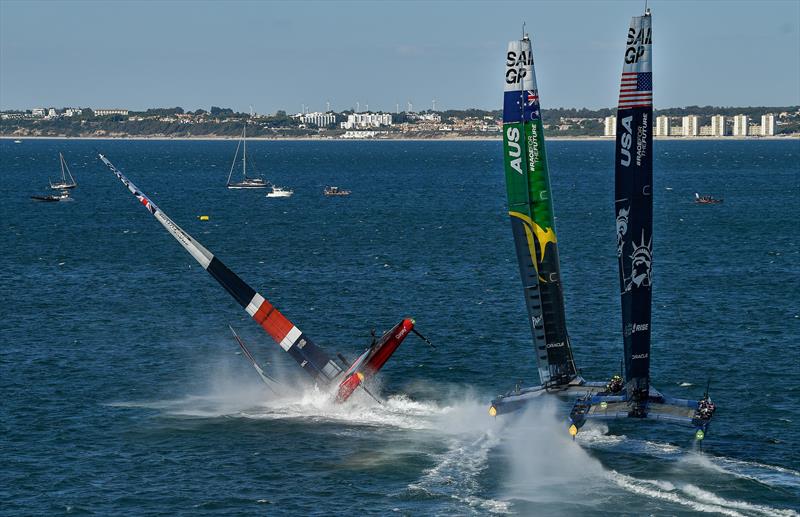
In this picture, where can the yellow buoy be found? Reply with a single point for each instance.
(604, 404)
(492, 411)
(573, 430)
(203, 217)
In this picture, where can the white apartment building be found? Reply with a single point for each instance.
(718, 125)
(610, 126)
(318, 119)
(662, 126)
(691, 127)
(768, 125)
(365, 120)
(51, 113)
(38, 112)
(740, 124)
(102, 112)
(430, 117)
(72, 112)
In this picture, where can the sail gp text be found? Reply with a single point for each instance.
(516, 64)
(636, 43)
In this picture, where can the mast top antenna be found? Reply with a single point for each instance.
(524, 34)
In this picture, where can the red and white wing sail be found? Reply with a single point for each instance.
(310, 357)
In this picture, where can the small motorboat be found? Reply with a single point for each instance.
(61, 196)
(279, 192)
(335, 191)
(706, 200)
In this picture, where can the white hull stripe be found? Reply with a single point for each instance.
(254, 305)
(290, 338)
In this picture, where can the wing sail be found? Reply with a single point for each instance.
(531, 211)
(310, 357)
(634, 204)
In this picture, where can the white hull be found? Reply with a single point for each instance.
(243, 187)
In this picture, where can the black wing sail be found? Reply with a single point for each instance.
(634, 205)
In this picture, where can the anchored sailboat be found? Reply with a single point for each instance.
(311, 358)
(532, 224)
(64, 183)
(635, 397)
(246, 182)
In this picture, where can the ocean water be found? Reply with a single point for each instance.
(123, 393)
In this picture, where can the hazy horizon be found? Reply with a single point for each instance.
(281, 56)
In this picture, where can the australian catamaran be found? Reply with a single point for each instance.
(532, 223)
(246, 182)
(64, 183)
(635, 397)
(343, 378)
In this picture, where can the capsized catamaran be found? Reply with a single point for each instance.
(532, 223)
(341, 380)
(64, 183)
(635, 397)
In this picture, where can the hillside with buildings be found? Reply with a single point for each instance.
(690, 122)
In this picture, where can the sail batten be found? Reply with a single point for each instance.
(531, 214)
(634, 204)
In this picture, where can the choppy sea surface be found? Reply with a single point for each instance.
(123, 393)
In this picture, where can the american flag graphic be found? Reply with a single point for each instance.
(636, 90)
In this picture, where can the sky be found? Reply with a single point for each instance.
(286, 55)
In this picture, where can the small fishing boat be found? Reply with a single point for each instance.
(17, 141)
(279, 192)
(706, 200)
(61, 196)
(245, 183)
(335, 191)
(64, 183)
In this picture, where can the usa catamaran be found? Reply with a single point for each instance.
(635, 397)
(341, 378)
(246, 183)
(530, 207)
(64, 183)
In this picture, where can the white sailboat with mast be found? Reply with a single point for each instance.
(245, 183)
(65, 183)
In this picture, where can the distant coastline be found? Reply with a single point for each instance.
(464, 138)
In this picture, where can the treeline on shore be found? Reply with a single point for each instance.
(225, 122)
